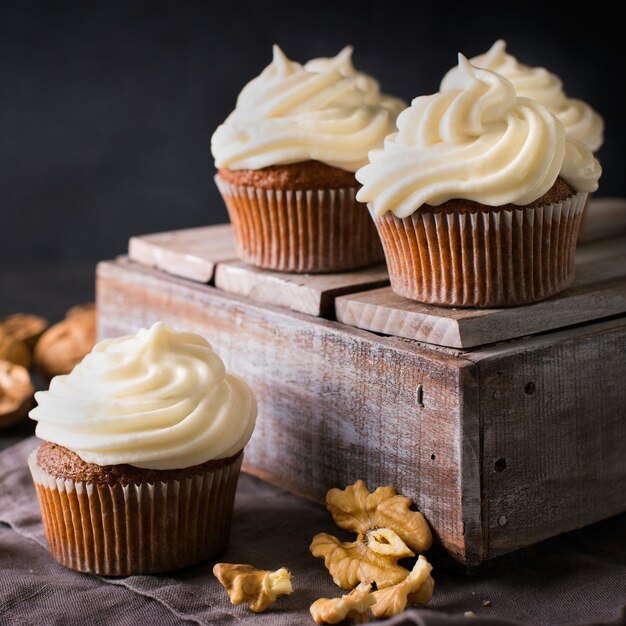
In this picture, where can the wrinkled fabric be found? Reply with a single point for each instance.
(578, 578)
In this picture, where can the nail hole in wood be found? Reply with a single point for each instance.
(419, 396)
(529, 389)
(432, 457)
(500, 465)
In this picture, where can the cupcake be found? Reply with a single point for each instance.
(142, 448)
(478, 196)
(578, 118)
(286, 158)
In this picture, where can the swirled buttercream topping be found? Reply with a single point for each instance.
(478, 142)
(579, 119)
(324, 111)
(158, 400)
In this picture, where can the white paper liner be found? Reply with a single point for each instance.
(483, 258)
(310, 231)
(118, 530)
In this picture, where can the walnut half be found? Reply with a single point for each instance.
(372, 558)
(416, 588)
(353, 606)
(355, 508)
(259, 588)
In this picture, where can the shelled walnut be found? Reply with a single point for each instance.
(259, 588)
(24, 327)
(368, 559)
(16, 393)
(416, 588)
(353, 606)
(387, 531)
(65, 344)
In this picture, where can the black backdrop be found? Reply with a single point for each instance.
(107, 108)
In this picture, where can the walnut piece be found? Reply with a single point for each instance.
(16, 393)
(14, 350)
(24, 327)
(259, 588)
(65, 344)
(369, 559)
(353, 606)
(355, 508)
(416, 588)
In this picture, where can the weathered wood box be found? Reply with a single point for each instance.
(506, 426)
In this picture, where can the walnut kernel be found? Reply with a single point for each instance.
(353, 606)
(416, 588)
(259, 588)
(361, 561)
(355, 508)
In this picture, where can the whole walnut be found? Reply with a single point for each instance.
(65, 344)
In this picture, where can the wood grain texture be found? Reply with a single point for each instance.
(553, 427)
(313, 294)
(190, 253)
(500, 446)
(335, 404)
(604, 218)
(599, 290)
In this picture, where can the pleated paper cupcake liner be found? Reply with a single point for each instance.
(119, 530)
(489, 258)
(312, 231)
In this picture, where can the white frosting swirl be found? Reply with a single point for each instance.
(579, 119)
(325, 111)
(158, 400)
(478, 142)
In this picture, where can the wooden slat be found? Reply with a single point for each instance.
(190, 253)
(604, 218)
(313, 294)
(552, 414)
(599, 291)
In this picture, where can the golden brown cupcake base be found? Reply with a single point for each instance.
(116, 528)
(301, 230)
(477, 258)
(303, 175)
(60, 462)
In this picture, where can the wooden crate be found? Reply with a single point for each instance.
(505, 426)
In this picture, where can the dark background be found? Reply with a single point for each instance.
(107, 108)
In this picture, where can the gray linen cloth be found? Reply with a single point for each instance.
(578, 578)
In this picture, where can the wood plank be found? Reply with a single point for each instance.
(553, 428)
(604, 218)
(313, 294)
(190, 253)
(599, 290)
(335, 403)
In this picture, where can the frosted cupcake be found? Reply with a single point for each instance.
(578, 118)
(143, 446)
(286, 158)
(478, 196)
